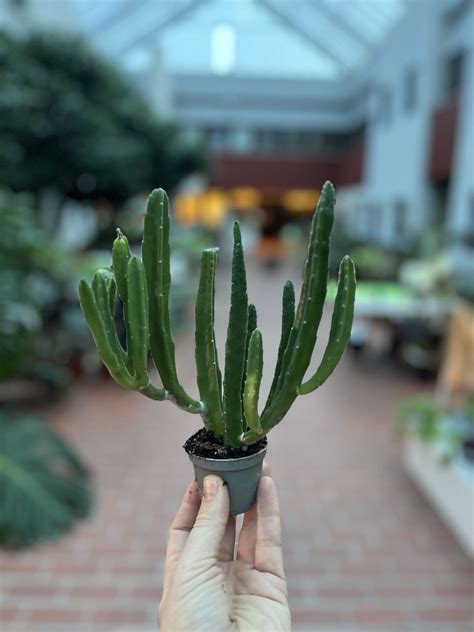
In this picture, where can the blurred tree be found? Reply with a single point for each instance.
(70, 121)
(35, 341)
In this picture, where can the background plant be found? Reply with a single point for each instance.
(44, 486)
(449, 431)
(35, 274)
(229, 404)
(58, 98)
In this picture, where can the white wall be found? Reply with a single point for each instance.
(461, 194)
(397, 148)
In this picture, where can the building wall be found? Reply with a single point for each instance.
(461, 192)
(418, 168)
(398, 137)
(414, 161)
(398, 168)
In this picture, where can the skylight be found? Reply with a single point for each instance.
(222, 49)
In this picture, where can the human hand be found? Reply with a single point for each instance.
(206, 587)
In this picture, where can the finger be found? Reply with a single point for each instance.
(268, 553)
(181, 527)
(248, 533)
(248, 537)
(205, 538)
(226, 551)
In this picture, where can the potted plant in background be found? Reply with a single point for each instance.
(439, 432)
(233, 440)
(438, 457)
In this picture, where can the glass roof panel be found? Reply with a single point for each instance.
(308, 38)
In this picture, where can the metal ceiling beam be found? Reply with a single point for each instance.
(120, 12)
(154, 27)
(291, 23)
(340, 22)
(373, 14)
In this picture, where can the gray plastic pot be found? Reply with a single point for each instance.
(241, 475)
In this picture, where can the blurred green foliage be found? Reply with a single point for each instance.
(71, 122)
(451, 432)
(44, 486)
(376, 262)
(34, 272)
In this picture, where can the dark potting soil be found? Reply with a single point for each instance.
(204, 443)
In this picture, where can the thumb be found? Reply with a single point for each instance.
(206, 535)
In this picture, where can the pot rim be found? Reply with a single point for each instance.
(234, 459)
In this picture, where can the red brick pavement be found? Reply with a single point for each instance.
(363, 549)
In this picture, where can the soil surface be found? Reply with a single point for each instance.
(206, 444)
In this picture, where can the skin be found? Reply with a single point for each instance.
(213, 583)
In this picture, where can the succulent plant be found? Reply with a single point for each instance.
(230, 406)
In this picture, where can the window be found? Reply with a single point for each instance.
(470, 222)
(410, 89)
(373, 219)
(217, 138)
(222, 49)
(454, 74)
(400, 219)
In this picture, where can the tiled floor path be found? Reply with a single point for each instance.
(363, 549)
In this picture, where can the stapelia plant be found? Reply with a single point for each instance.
(229, 407)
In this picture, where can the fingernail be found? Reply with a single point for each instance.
(211, 486)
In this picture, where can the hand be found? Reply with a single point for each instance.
(205, 588)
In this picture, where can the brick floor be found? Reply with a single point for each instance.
(363, 549)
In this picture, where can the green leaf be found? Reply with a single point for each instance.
(44, 486)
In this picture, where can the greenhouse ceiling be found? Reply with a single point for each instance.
(325, 39)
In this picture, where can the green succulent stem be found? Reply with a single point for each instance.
(235, 350)
(251, 325)
(137, 321)
(112, 294)
(287, 320)
(229, 407)
(120, 258)
(156, 261)
(341, 325)
(253, 381)
(207, 364)
(302, 337)
(111, 356)
(154, 392)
